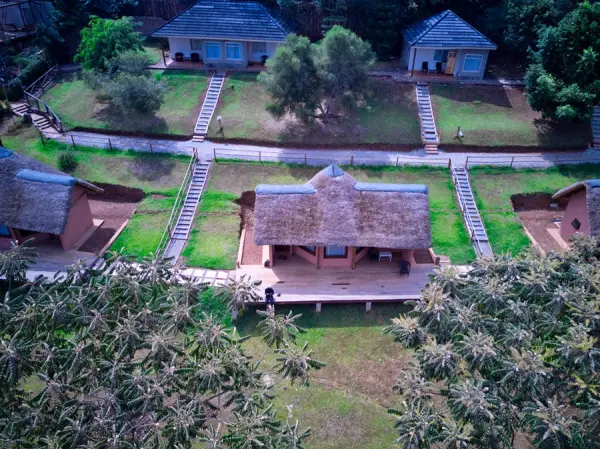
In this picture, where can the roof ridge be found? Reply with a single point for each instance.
(474, 29)
(442, 15)
(272, 18)
(178, 15)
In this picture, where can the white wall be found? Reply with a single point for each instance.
(423, 54)
(460, 60)
(256, 57)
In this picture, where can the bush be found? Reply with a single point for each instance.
(67, 161)
(131, 62)
(140, 94)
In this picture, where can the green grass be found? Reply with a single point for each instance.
(346, 402)
(153, 51)
(497, 116)
(77, 106)
(389, 117)
(218, 226)
(493, 188)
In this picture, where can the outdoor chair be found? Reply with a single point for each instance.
(263, 59)
(425, 66)
(404, 268)
(195, 57)
(373, 254)
(179, 57)
(438, 67)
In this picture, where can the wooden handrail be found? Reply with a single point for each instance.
(47, 111)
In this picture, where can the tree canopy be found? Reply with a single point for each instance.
(306, 79)
(104, 39)
(132, 356)
(508, 351)
(563, 81)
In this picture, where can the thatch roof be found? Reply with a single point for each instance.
(592, 188)
(334, 209)
(35, 196)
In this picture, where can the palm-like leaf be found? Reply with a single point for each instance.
(406, 331)
(439, 361)
(418, 425)
(295, 363)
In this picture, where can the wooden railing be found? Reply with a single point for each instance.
(176, 211)
(43, 108)
(39, 86)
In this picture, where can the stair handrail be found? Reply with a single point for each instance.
(470, 224)
(41, 80)
(179, 200)
(46, 111)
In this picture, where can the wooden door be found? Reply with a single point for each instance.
(451, 62)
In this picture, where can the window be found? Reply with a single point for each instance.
(213, 50)
(440, 55)
(259, 47)
(195, 44)
(576, 224)
(234, 50)
(335, 251)
(310, 249)
(472, 63)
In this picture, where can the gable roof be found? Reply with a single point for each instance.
(228, 19)
(334, 209)
(592, 196)
(34, 196)
(446, 30)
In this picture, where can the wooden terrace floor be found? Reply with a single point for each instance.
(297, 281)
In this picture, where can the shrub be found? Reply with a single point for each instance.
(140, 94)
(131, 62)
(67, 161)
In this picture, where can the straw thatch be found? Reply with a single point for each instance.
(592, 195)
(342, 212)
(34, 196)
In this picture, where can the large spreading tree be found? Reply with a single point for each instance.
(308, 79)
(563, 80)
(130, 356)
(508, 352)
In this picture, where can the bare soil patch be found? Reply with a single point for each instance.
(536, 201)
(251, 252)
(537, 223)
(114, 214)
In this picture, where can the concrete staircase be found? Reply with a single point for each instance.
(429, 134)
(471, 215)
(596, 128)
(208, 107)
(181, 232)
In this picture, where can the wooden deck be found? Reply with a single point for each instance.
(297, 281)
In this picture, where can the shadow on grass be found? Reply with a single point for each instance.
(131, 121)
(555, 134)
(331, 316)
(148, 168)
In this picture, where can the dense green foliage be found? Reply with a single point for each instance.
(104, 39)
(563, 81)
(128, 357)
(507, 349)
(304, 78)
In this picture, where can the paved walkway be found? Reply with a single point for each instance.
(316, 156)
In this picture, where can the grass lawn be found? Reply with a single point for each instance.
(77, 106)
(493, 188)
(153, 51)
(159, 175)
(346, 402)
(389, 117)
(497, 116)
(215, 239)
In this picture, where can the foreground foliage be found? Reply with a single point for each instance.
(511, 348)
(125, 357)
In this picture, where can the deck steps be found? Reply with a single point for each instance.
(19, 109)
(429, 134)
(596, 128)
(473, 221)
(208, 107)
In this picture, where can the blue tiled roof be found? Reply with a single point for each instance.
(446, 30)
(397, 188)
(229, 19)
(287, 189)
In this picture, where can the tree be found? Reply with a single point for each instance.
(104, 39)
(515, 346)
(563, 81)
(141, 94)
(304, 78)
(126, 356)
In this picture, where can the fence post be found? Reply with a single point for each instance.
(397, 160)
(110, 144)
(73, 140)
(467, 162)
(305, 163)
(260, 156)
(41, 138)
(556, 159)
(215, 155)
(352, 160)
(512, 161)
(151, 150)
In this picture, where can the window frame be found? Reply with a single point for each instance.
(234, 45)
(442, 53)
(259, 51)
(345, 256)
(198, 46)
(472, 55)
(308, 250)
(211, 44)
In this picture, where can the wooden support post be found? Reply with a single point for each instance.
(318, 309)
(353, 255)
(41, 138)
(73, 140)
(151, 150)
(215, 155)
(369, 306)
(260, 156)
(304, 158)
(352, 160)
(110, 144)
(512, 161)
(163, 55)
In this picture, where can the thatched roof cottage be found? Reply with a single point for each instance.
(39, 202)
(333, 220)
(582, 213)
